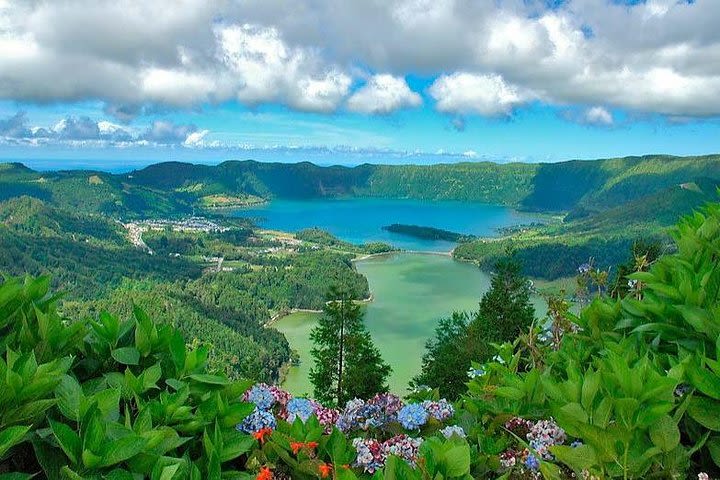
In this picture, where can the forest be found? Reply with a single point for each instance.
(89, 258)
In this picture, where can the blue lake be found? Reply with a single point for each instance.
(360, 220)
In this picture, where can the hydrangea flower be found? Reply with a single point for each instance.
(440, 410)
(327, 417)
(348, 419)
(282, 397)
(301, 408)
(412, 416)
(261, 395)
(258, 420)
(388, 402)
(703, 476)
(508, 458)
(519, 426)
(543, 435)
(369, 416)
(370, 455)
(404, 447)
(476, 372)
(532, 462)
(451, 430)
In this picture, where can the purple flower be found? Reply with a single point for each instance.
(440, 410)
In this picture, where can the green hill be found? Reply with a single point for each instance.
(175, 188)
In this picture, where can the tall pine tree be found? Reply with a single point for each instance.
(505, 312)
(347, 363)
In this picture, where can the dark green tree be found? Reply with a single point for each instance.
(347, 363)
(505, 309)
(446, 357)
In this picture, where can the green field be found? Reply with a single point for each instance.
(412, 291)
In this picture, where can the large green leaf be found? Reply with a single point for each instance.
(122, 449)
(457, 460)
(68, 394)
(68, 440)
(11, 437)
(578, 458)
(706, 412)
(665, 434)
(704, 380)
(126, 355)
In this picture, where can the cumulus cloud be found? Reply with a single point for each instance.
(657, 56)
(598, 116)
(488, 95)
(86, 131)
(15, 126)
(383, 94)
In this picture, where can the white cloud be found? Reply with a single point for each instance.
(383, 94)
(267, 70)
(659, 56)
(487, 95)
(598, 116)
(72, 130)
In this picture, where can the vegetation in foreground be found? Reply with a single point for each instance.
(630, 388)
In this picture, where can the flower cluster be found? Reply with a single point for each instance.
(380, 412)
(372, 454)
(327, 417)
(258, 420)
(441, 410)
(519, 426)
(388, 402)
(451, 430)
(301, 408)
(413, 416)
(524, 459)
(476, 372)
(541, 435)
(545, 434)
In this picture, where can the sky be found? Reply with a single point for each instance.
(117, 84)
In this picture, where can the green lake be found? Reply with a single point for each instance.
(411, 293)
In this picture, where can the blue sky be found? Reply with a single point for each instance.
(90, 84)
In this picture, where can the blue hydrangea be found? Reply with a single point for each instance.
(412, 416)
(532, 462)
(301, 408)
(451, 430)
(476, 372)
(370, 416)
(258, 420)
(261, 396)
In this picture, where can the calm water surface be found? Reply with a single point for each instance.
(360, 220)
(412, 292)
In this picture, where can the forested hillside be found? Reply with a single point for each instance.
(176, 188)
(90, 257)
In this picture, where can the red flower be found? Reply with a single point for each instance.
(325, 470)
(262, 433)
(296, 447)
(311, 445)
(265, 474)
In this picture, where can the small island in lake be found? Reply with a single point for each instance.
(428, 233)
